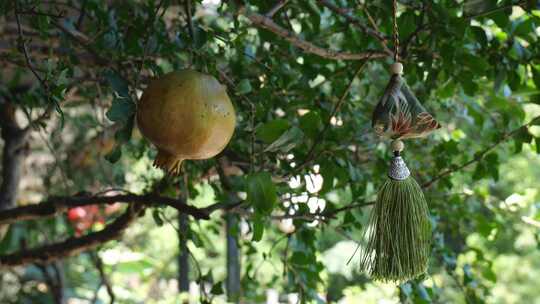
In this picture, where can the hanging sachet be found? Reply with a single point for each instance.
(399, 230)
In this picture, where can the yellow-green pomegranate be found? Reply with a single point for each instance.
(186, 115)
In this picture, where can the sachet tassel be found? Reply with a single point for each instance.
(399, 230)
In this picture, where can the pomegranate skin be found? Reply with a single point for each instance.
(186, 115)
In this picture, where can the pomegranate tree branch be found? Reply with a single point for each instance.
(85, 43)
(98, 262)
(478, 156)
(13, 154)
(21, 41)
(276, 8)
(357, 22)
(308, 47)
(57, 205)
(73, 245)
(311, 152)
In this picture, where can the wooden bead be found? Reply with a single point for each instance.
(396, 68)
(398, 145)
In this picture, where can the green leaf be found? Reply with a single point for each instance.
(537, 141)
(501, 17)
(156, 215)
(489, 274)
(261, 192)
(258, 228)
(524, 135)
(118, 84)
(311, 124)
(243, 87)
(406, 23)
(471, 8)
(114, 155)
(121, 110)
(217, 288)
(133, 267)
(271, 130)
(299, 258)
(492, 165)
(286, 141)
(201, 37)
(480, 171)
(123, 134)
(479, 35)
(518, 146)
(423, 293)
(536, 76)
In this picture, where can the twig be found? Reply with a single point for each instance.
(480, 155)
(308, 47)
(41, 118)
(419, 28)
(23, 47)
(354, 20)
(187, 9)
(98, 262)
(85, 42)
(34, 13)
(53, 282)
(320, 216)
(73, 245)
(82, 14)
(149, 26)
(496, 9)
(202, 290)
(332, 213)
(276, 8)
(56, 205)
(373, 23)
(311, 152)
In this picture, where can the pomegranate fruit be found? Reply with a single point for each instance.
(83, 218)
(74, 214)
(186, 115)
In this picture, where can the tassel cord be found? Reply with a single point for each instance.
(395, 31)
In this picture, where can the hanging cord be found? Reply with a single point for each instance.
(396, 67)
(395, 31)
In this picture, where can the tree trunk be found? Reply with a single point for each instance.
(233, 259)
(183, 257)
(13, 154)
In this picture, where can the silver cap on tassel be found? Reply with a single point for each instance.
(398, 169)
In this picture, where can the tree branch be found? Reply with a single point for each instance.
(24, 49)
(308, 47)
(496, 9)
(55, 281)
(98, 262)
(480, 155)
(356, 21)
(276, 8)
(311, 152)
(421, 26)
(73, 245)
(13, 154)
(56, 205)
(85, 42)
